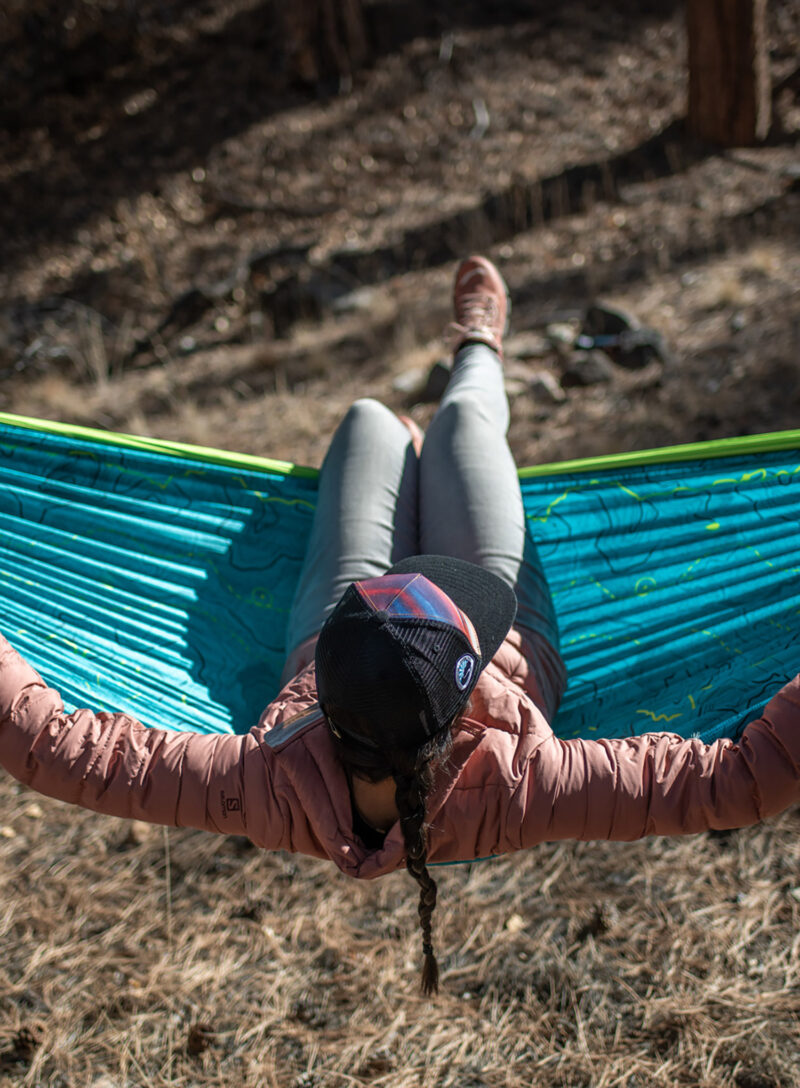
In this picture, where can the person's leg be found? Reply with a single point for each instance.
(470, 502)
(470, 499)
(366, 517)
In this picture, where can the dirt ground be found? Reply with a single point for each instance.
(199, 246)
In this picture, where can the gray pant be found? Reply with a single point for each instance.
(378, 502)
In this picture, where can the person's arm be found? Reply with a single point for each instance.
(113, 764)
(660, 783)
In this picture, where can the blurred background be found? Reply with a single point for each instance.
(222, 221)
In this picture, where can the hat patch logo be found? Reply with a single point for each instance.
(465, 669)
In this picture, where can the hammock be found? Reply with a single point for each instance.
(156, 578)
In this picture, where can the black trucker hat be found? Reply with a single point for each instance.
(403, 652)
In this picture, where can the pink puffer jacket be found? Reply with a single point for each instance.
(510, 783)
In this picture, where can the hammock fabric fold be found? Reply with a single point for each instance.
(156, 578)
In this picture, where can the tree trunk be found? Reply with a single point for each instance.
(729, 82)
(324, 39)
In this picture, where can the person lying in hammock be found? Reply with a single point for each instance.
(423, 673)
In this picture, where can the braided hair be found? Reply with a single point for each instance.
(413, 781)
(413, 773)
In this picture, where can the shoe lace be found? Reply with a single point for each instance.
(478, 311)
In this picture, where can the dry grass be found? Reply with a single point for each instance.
(131, 956)
(140, 956)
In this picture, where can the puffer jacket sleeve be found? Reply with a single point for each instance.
(113, 764)
(660, 783)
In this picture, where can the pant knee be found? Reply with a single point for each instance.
(369, 416)
(371, 433)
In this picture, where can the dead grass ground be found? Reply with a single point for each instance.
(149, 212)
(138, 956)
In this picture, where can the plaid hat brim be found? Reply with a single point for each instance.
(490, 603)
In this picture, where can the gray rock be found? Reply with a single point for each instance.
(545, 387)
(363, 298)
(587, 368)
(423, 385)
(527, 345)
(411, 382)
(436, 383)
(515, 387)
(561, 335)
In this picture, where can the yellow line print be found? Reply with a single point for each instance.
(721, 641)
(780, 626)
(690, 568)
(761, 473)
(763, 661)
(553, 504)
(600, 585)
(758, 555)
(588, 638)
(746, 477)
(563, 589)
(660, 717)
(287, 502)
(692, 703)
(647, 585)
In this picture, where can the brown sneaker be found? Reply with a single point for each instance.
(480, 304)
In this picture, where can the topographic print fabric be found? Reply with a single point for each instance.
(160, 584)
(146, 582)
(677, 590)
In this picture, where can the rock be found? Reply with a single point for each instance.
(622, 336)
(527, 345)
(515, 923)
(515, 387)
(561, 335)
(411, 382)
(435, 383)
(423, 385)
(545, 387)
(362, 299)
(602, 319)
(587, 368)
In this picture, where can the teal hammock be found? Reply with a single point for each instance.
(156, 578)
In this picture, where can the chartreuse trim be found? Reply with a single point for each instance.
(721, 447)
(665, 455)
(157, 445)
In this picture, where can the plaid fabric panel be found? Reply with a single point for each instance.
(409, 596)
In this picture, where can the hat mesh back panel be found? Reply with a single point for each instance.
(431, 653)
(358, 671)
